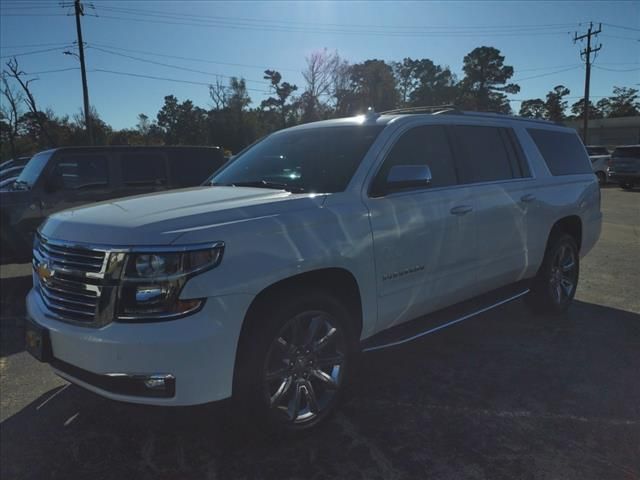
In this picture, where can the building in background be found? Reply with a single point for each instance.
(610, 131)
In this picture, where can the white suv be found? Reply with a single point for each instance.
(314, 244)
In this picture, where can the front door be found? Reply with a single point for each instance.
(424, 240)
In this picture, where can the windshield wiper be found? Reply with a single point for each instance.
(263, 184)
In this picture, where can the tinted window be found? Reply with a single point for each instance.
(627, 152)
(82, 171)
(190, 167)
(426, 145)
(483, 155)
(563, 152)
(597, 151)
(146, 168)
(319, 159)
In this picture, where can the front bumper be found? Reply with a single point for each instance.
(199, 351)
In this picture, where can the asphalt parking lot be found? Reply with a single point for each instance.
(505, 395)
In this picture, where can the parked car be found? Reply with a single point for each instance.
(624, 167)
(315, 244)
(599, 157)
(7, 183)
(68, 177)
(11, 172)
(14, 162)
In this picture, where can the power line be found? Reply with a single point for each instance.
(33, 45)
(267, 28)
(262, 21)
(621, 38)
(168, 65)
(34, 52)
(191, 59)
(546, 74)
(616, 69)
(623, 27)
(167, 79)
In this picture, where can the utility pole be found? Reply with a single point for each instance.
(79, 9)
(586, 55)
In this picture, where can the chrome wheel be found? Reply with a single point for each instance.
(304, 367)
(564, 273)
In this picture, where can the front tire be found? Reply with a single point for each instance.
(295, 361)
(554, 287)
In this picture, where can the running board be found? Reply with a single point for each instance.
(414, 329)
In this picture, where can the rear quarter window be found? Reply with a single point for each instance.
(563, 152)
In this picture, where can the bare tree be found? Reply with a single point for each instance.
(320, 74)
(11, 112)
(17, 74)
(219, 93)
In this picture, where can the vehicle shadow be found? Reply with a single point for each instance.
(15, 282)
(505, 395)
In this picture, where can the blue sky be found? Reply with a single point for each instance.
(242, 38)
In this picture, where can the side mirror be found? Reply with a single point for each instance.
(408, 176)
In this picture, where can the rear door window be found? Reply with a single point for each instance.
(563, 152)
(483, 155)
(144, 169)
(82, 171)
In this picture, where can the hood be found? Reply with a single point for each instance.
(161, 218)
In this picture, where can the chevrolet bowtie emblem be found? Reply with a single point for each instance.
(45, 272)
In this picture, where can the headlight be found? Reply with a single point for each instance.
(153, 281)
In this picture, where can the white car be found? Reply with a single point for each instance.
(600, 159)
(317, 243)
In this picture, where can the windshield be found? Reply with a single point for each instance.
(32, 170)
(319, 160)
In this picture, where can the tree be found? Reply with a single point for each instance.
(219, 93)
(320, 73)
(422, 82)
(282, 92)
(372, 84)
(534, 108)
(11, 114)
(182, 123)
(623, 103)
(485, 83)
(555, 106)
(16, 73)
(578, 110)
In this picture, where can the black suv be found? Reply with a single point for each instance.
(68, 177)
(624, 166)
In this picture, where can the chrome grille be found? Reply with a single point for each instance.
(69, 280)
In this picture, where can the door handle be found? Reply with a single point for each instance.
(529, 197)
(461, 210)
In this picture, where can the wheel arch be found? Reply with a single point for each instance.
(571, 225)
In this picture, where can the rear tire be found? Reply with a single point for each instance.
(555, 284)
(294, 361)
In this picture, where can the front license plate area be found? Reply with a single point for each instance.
(38, 341)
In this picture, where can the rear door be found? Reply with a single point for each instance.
(142, 172)
(423, 237)
(492, 164)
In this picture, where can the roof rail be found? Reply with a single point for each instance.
(432, 109)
